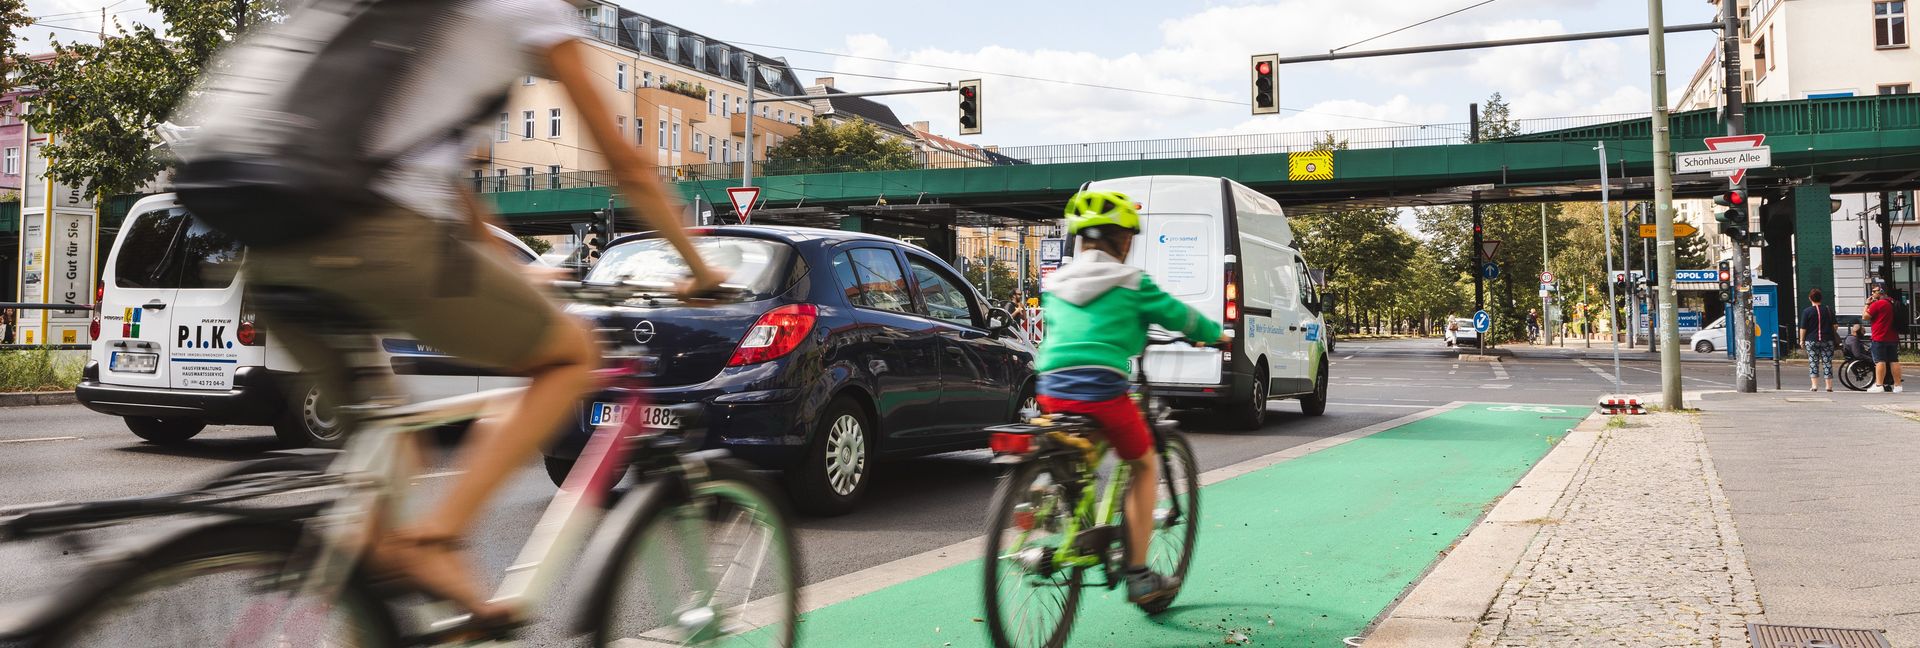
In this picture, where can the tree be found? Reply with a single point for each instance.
(1004, 281)
(13, 18)
(537, 244)
(854, 145)
(102, 101)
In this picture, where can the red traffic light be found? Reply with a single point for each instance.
(967, 92)
(1725, 276)
(1263, 68)
(1734, 198)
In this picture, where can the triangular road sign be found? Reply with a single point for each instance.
(1733, 142)
(1487, 248)
(743, 199)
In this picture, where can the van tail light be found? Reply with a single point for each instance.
(249, 333)
(93, 325)
(1010, 443)
(776, 334)
(1233, 299)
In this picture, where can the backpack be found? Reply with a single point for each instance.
(284, 152)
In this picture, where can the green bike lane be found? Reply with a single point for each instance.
(1301, 553)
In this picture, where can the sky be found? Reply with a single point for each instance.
(1193, 54)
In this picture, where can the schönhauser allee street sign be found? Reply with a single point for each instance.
(1727, 160)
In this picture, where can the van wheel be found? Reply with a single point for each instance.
(312, 420)
(164, 431)
(1315, 404)
(837, 467)
(557, 469)
(1253, 413)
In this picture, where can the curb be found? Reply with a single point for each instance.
(1445, 606)
(24, 399)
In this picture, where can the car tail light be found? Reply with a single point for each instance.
(249, 333)
(1233, 299)
(93, 325)
(776, 334)
(1010, 443)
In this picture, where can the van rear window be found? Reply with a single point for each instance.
(169, 249)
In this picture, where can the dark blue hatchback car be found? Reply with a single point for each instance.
(851, 348)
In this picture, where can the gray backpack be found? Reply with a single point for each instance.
(283, 152)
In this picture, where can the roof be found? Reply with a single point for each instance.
(874, 112)
(950, 145)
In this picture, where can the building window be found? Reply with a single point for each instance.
(1760, 57)
(779, 115)
(553, 176)
(726, 154)
(739, 104)
(698, 144)
(639, 132)
(500, 179)
(1896, 88)
(646, 79)
(620, 125)
(620, 76)
(1890, 23)
(526, 124)
(12, 164)
(526, 178)
(663, 134)
(763, 111)
(711, 143)
(723, 103)
(710, 109)
(479, 181)
(676, 137)
(553, 122)
(501, 136)
(736, 151)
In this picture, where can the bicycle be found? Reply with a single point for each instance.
(1053, 518)
(665, 562)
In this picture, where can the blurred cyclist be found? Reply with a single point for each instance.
(1096, 316)
(329, 145)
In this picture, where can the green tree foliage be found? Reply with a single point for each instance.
(101, 101)
(537, 244)
(824, 146)
(1004, 281)
(13, 18)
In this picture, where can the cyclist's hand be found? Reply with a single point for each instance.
(542, 275)
(700, 286)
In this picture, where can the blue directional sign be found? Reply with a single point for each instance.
(1482, 321)
(1490, 270)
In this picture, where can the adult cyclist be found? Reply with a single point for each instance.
(1096, 311)
(414, 256)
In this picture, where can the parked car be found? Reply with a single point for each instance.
(175, 347)
(1460, 333)
(1704, 339)
(1228, 251)
(850, 348)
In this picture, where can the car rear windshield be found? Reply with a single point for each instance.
(757, 265)
(170, 249)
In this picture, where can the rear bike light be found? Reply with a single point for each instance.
(1010, 443)
(776, 334)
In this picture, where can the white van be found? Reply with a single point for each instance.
(1227, 251)
(175, 347)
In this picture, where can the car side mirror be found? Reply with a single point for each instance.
(1313, 304)
(1000, 322)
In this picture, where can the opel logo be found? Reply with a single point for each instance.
(643, 332)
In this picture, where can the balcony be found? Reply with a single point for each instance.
(691, 109)
(763, 126)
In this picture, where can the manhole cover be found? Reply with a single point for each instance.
(1784, 636)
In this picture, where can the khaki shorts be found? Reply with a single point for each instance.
(412, 275)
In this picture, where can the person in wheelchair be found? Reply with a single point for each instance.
(1096, 312)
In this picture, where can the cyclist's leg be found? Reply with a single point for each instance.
(1126, 430)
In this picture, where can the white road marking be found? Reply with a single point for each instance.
(1348, 357)
(872, 579)
(1506, 386)
(1381, 405)
(1499, 372)
(36, 439)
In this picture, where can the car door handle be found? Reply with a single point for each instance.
(154, 306)
(1291, 327)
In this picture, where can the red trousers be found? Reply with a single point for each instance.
(1119, 418)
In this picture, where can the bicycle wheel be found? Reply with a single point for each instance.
(1171, 550)
(719, 568)
(226, 585)
(1031, 600)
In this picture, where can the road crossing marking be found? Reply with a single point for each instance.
(1499, 372)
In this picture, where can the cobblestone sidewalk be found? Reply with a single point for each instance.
(1640, 551)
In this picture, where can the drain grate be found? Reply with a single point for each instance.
(1785, 636)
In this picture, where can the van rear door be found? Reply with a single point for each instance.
(1184, 253)
(206, 344)
(136, 306)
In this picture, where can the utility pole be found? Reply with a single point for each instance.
(1546, 304)
(1626, 271)
(1646, 268)
(1479, 282)
(1741, 319)
(1606, 231)
(1663, 208)
(746, 166)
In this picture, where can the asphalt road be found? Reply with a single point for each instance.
(68, 453)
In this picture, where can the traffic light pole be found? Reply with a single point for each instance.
(1670, 396)
(1741, 319)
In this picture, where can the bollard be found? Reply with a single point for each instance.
(1776, 362)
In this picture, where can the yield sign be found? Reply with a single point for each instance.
(1733, 142)
(743, 199)
(1487, 248)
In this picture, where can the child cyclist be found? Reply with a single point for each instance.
(1096, 312)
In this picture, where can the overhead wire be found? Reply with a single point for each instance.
(1423, 22)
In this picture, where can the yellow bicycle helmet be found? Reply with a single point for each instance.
(1094, 208)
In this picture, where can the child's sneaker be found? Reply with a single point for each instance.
(1144, 587)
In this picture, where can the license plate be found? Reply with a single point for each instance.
(650, 416)
(129, 362)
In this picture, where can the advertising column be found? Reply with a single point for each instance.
(58, 234)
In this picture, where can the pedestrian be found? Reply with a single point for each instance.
(1886, 341)
(1533, 324)
(1817, 337)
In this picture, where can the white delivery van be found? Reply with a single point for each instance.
(1227, 251)
(176, 348)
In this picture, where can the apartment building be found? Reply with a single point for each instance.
(1820, 49)
(677, 93)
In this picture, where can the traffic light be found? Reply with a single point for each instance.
(1733, 219)
(1726, 273)
(599, 231)
(1266, 82)
(970, 107)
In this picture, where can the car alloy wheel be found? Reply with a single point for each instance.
(846, 455)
